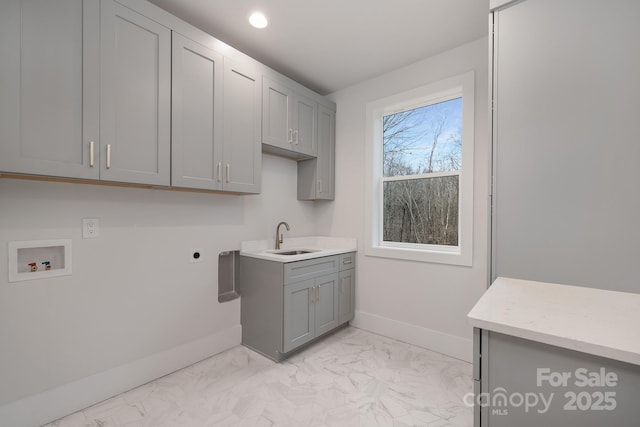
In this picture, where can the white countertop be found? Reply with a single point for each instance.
(595, 321)
(320, 245)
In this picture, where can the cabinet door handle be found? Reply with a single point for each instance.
(289, 138)
(295, 137)
(91, 154)
(318, 292)
(319, 186)
(228, 172)
(346, 261)
(108, 156)
(219, 172)
(312, 295)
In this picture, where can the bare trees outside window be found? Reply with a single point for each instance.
(419, 163)
(422, 161)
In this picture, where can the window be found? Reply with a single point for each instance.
(420, 170)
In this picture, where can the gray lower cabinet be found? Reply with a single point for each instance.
(49, 87)
(310, 310)
(524, 383)
(347, 288)
(286, 305)
(135, 97)
(316, 177)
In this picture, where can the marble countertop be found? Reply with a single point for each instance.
(320, 246)
(596, 321)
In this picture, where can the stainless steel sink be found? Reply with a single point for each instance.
(291, 252)
(296, 252)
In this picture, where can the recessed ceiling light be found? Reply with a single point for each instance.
(258, 20)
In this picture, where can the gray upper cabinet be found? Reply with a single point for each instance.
(215, 120)
(135, 97)
(85, 91)
(316, 176)
(325, 189)
(49, 100)
(277, 114)
(305, 115)
(289, 121)
(241, 148)
(196, 107)
(104, 90)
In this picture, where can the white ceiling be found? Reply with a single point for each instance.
(328, 45)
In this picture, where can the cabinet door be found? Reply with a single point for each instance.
(347, 295)
(305, 113)
(49, 87)
(325, 185)
(135, 97)
(299, 314)
(326, 315)
(196, 115)
(277, 114)
(513, 363)
(316, 176)
(242, 150)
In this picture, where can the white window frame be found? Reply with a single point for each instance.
(454, 87)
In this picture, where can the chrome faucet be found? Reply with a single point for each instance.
(280, 236)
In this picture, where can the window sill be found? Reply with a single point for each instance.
(451, 257)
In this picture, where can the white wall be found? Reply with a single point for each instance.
(422, 303)
(132, 295)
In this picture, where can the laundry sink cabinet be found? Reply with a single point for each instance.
(285, 305)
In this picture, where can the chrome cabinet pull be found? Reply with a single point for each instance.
(319, 186)
(289, 138)
(219, 172)
(318, 292)
(108, 156)
(91, 154)
(295, 137)
(346, 261)
(228, 172)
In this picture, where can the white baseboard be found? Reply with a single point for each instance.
(52, 404)
(450, 345)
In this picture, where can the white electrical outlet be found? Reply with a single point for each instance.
(90, 228)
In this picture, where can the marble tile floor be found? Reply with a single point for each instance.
(352, 378)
